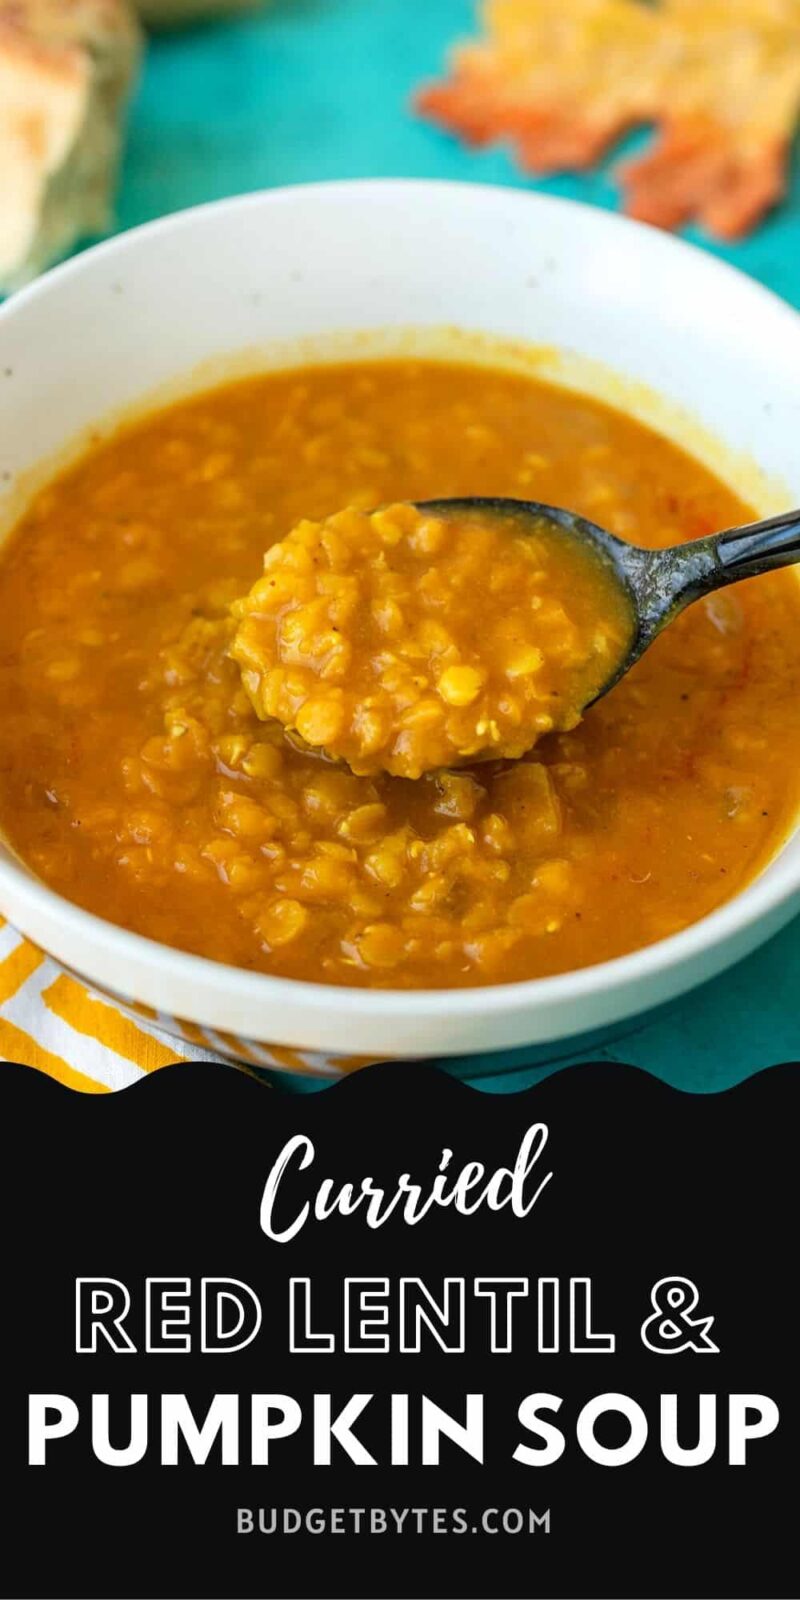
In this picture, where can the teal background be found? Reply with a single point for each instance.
(316, 89)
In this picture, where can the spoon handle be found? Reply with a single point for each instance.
(664, 582)
(759, 547)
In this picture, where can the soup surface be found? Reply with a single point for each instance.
(136, 778)
(363, 635)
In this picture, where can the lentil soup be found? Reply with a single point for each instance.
(137, 779)
(363, 635)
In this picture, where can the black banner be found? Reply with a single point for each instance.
(547, 1349)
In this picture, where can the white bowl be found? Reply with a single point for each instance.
(700, 350)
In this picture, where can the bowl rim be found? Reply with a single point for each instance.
(321, 188)
(748, 906)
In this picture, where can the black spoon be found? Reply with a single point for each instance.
(658, 584)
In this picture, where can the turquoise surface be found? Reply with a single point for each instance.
(316, 89)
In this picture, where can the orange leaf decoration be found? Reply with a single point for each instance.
(561, 80)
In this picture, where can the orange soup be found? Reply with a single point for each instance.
(365, 635)
(137, 779)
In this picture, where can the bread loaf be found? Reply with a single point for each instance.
(66, 68)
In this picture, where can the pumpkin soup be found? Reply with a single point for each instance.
(364, 635)
(137, 779)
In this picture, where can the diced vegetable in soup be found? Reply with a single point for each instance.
(137, 779)
(364, 635)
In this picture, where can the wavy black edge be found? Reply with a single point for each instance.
(211, 1073)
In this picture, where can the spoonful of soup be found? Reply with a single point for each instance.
(457, 631)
